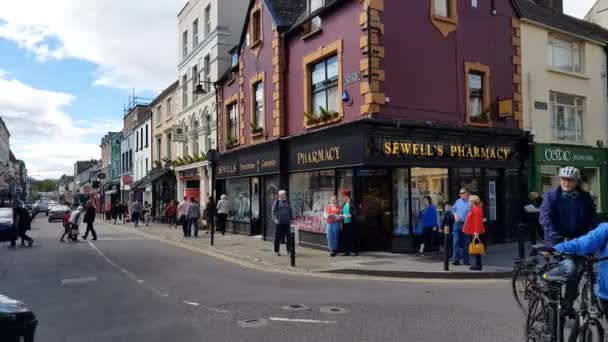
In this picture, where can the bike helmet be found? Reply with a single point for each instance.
(570, 172)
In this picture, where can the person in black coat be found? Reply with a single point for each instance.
(209, 213)
(22, 223)
(89, 218)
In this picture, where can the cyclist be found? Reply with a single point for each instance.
(591, 243)
(567, 212)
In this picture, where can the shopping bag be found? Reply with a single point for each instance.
(476, 247)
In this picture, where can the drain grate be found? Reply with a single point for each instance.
(253, 323)
(333, 310)
(296, 307)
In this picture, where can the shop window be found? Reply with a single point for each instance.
(564, 53)
(567, 116)
(255, 198)
(310, 192)
(257, 121)
(239, 199)
(324, 81)
(478, 94)
(432, 183)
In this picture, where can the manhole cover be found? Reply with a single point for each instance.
(253, 323)
(333, 310)
(296, 307)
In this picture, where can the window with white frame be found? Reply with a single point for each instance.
(207, 72)
(207, 19)
(314, 5)
(564, 53)
(184, 44)
(195, 34)
(258, 115)
(567, 113)
(184, 91)
(442, 8)
(324, 80)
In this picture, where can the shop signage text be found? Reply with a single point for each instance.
(319, 156)
(397, 148)
(559, 155)
(227, 170)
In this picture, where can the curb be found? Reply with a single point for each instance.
(425, 275)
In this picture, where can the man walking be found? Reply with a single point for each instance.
(21, 221)
(194, 213)
(89, 218)
(282, 216)
(136, 210)
(182, 215)
(460, 209)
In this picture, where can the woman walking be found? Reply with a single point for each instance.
(428, 216)
(333, 220)
(350, 211)
(474, 227)
(170, 213)
(223, 209)
(209, 214)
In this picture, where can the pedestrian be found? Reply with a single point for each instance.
(532, 212)
(350, 226)
(448, 222)
(89, 218)
(108, 210)
(182, 215)
(460, 209)
(147, 212)
(135, 209)
(333, 224)
(170, 212)
(119, 212)
(21, 221)
(194, 214)
(75, 220)
(428, 217)
(223, 209)
(474, 228)
(66, 225)
(209, 214)
(282, 216)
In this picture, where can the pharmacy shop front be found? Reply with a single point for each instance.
(391, 170)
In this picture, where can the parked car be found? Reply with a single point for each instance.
(57, 212)
(6, 224)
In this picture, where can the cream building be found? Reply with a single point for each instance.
(164, 114)
(207, 30)
(563, 61)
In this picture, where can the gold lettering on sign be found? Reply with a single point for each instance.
(269, 163)
(248, 166)
(440, 150)
(325, 155)
(424, 150)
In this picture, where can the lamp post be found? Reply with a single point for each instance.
(212, 159)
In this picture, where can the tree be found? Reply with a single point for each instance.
(47, 185)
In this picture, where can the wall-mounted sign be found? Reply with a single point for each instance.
(127, 180)
(352, 78)
(540, 105)
(325, 153)
(565, 155)
(263, 160)
(445, 150)
(505, 108)
(178, 133)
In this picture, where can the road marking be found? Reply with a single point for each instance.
(126, 272)
(190, 303)
(78, 280)
(300, 320)
(215, 309)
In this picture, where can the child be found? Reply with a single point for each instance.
(448, 221)
(66, 225)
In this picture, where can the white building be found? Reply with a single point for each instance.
(203, 47)
(5, 163)
(142, 163)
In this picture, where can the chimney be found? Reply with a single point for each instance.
(556, 5)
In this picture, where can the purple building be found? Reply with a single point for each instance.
(394, 101)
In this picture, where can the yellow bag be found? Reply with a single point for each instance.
(476, 247)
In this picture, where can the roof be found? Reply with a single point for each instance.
(286, 12)
(83, 165)
(150, 178)
(164, 93)
(11, 156)
(563, 22)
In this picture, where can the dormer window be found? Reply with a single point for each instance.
(314, 5)
(234, 59)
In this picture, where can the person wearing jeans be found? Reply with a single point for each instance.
(223, 209)
(460, 209)
(194, 213)
(282, 216)
(332, 228)
(182, 215)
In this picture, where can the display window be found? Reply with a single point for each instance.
(401, 202)
(429, 182)
(310, 192)
(239, 197)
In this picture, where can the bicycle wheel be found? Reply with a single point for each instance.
(519, 284)
(592, 331)
(537, 320)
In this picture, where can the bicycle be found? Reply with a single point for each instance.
(524, 282)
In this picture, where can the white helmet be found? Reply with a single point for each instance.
(570, 172)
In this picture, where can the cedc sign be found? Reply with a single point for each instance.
(563, 155)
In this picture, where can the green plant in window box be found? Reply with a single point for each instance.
(167, 161)
(255, 129)
(201, 157)
(484, 116)
(158, 164)
(311, 119)
(327, 114)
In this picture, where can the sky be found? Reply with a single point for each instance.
(68, 66)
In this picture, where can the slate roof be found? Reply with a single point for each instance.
(563, 22)
(286, 12)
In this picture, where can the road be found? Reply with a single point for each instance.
(126, 287)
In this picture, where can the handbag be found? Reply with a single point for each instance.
(476, 247)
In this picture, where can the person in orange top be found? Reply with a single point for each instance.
(473, 226)
(333, 220)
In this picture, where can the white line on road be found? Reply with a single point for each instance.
(190, 303)
(300, 320)
(215, 309)
(126, 272)
(78, 280)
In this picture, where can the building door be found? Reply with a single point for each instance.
(373, 189)
(256, 217)
(270, 194)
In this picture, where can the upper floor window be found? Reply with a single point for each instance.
(169, 108)
(207, 19)
(194, 82)
(258, 106)
(256, 26)
(324, 81)
(234, 59)
(158, 147)
(314, 5)
(565, 54)
(185, 44)
(207, 72)
(184, 91)
(232, 122)
(158, 115)
(442, 8)
(147, 137)
(478, 93)
(194, 34)
(567, 116)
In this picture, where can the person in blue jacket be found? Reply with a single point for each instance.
(593, 242)
(567, 211)
(428, 216)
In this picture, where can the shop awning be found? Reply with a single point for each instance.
(150, 178)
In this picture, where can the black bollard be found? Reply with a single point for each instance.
(212, 229)
(446, 242)
(292, 238)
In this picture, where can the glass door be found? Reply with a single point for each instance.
(373, 189)
(256, 225)
(271, 193)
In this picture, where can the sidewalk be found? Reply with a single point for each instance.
(497, 263)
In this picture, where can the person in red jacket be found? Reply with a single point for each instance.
(473, 226)
(66, 225)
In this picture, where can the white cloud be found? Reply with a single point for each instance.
(132, 42)
(42, 133)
